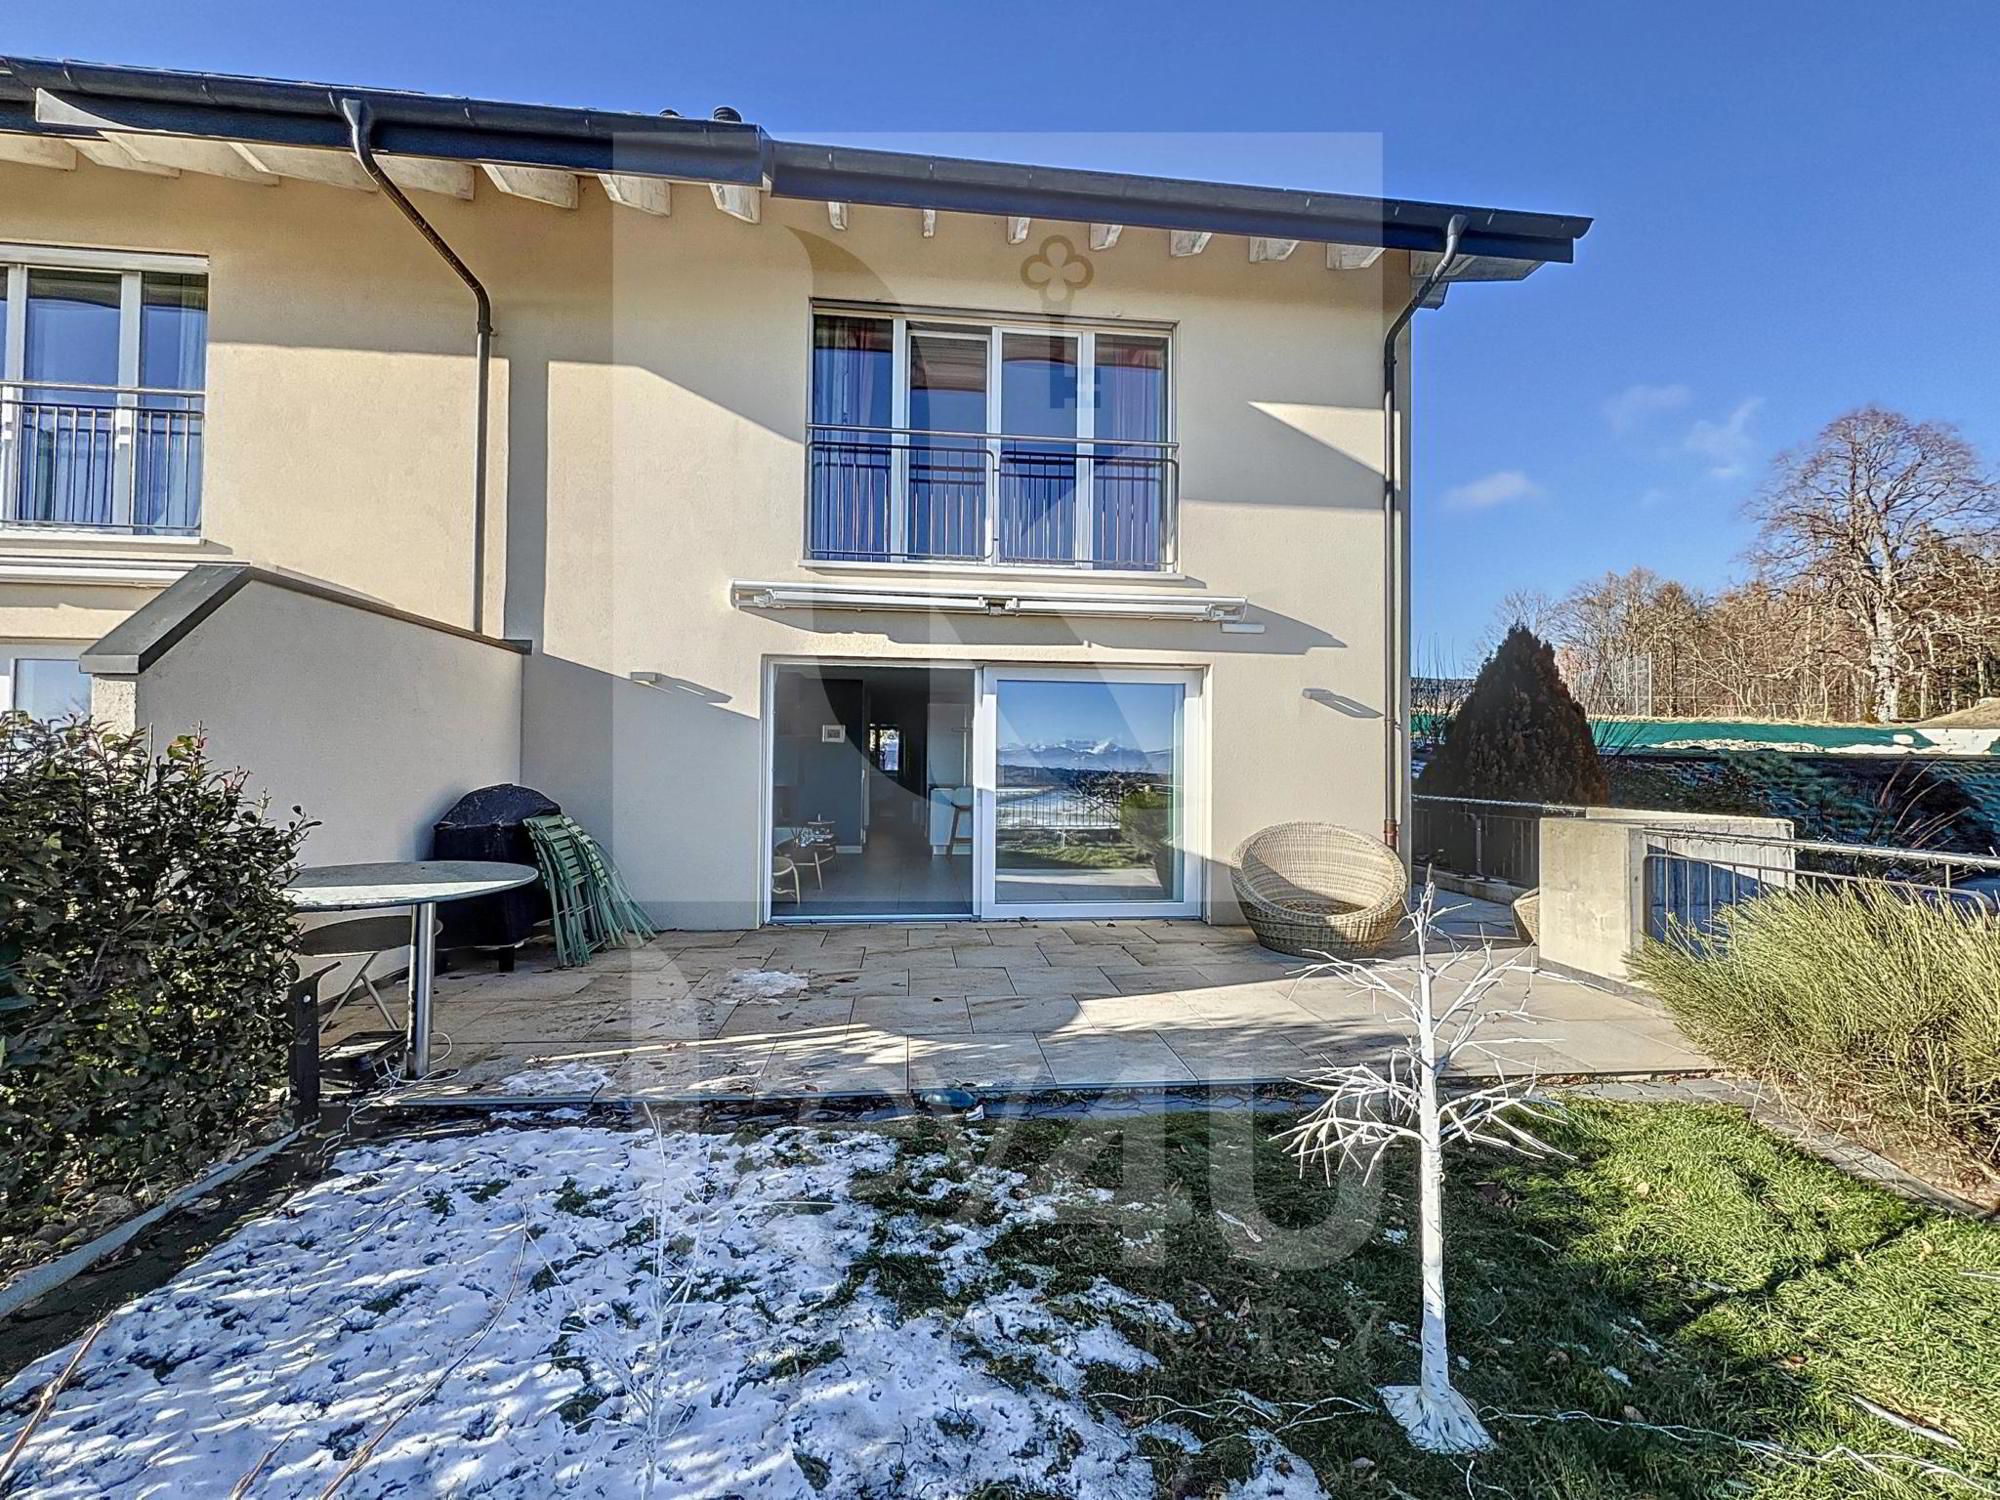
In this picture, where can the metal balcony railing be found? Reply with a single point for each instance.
(1693, 874)
(101, 458)
(1482, 837)
(899, 494)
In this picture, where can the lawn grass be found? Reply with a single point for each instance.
(1078, 855)
(1772, 992)
(1685, 1270)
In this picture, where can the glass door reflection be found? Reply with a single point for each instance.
(1089, 791)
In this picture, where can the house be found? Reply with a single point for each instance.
(841, 533)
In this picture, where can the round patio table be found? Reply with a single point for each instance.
(419, 885)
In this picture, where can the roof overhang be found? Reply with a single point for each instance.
(898, 179)
(71, 99)
(259, 130)
(874, 598)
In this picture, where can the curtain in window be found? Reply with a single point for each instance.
(853, 361)
(173, 358)
(1128, 500)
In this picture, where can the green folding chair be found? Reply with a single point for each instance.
(567, 882)
(592, 907)
(619, 919)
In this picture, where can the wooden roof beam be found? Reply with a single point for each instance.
(537, 184)
(648, 195)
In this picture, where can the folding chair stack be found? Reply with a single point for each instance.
(591, 907)
(618, 915)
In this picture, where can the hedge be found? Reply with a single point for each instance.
(145, 950)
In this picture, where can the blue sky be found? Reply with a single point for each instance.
(1796, 202)
(1139, 716)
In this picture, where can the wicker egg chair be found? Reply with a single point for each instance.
(1313, 888)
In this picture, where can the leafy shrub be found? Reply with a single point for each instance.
(1877, 1011)
(1145, 820)
(145, 948)
(1519, 736)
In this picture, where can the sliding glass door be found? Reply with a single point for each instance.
(1090, 787)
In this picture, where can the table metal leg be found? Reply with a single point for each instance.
(423, 969)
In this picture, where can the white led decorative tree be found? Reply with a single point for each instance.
(1444, 1000)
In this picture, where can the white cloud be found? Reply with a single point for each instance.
(1637, 404)
(1502, 487)
(1726, 444)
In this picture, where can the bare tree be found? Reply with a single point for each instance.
(1855, 509)
(1534, 608)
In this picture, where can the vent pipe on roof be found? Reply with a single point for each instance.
(727, 115)
(355, 111)
(1395, 676)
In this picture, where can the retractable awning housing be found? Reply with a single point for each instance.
(874, 598)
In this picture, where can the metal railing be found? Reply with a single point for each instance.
(1055, 809)
(101, 458)
(1482, 837)
(899, 494)
(1693, 874)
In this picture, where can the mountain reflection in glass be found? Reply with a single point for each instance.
(1088, 791)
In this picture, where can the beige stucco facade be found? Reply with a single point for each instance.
(650, 402)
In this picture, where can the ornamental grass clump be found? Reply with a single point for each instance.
(145, 949)
(1879, 1011)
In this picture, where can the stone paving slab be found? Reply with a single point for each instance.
(888, 1008)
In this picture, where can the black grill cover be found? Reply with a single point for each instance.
(487, 824)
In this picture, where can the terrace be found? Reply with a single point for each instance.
(876, 1009)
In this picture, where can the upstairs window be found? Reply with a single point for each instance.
(102, 369)
(952, 440)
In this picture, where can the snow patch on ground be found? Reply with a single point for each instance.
(556, 1079)
(596, 1313)
(1280, 1474)
(762, 984)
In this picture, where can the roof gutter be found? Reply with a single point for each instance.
(76, 98)
(72, 97)
(957, 185)
(1395, 671)
(356, 113)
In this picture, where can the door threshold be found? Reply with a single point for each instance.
(882, 919)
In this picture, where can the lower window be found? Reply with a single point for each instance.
(42, 681)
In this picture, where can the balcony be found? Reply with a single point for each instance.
(116, 460)
(908, 495)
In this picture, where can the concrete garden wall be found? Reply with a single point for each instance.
(1594, 898)
(374, 722)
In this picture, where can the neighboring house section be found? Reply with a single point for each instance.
(893, 535)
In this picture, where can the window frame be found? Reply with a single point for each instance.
(995, 327)
(13, 652)
(17, 261)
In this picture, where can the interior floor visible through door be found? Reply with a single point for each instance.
(871, 792)
(896, 876)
